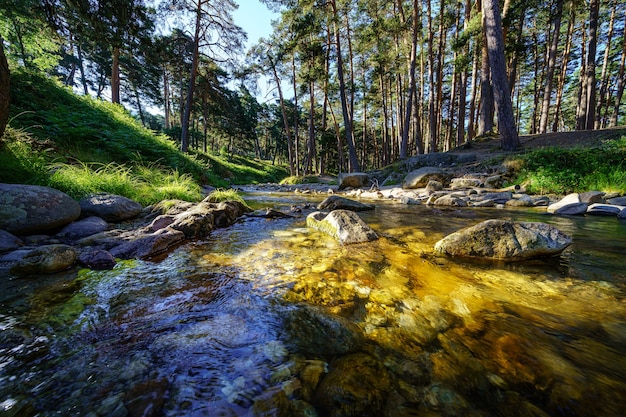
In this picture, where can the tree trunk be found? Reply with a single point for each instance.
(486, 105)
(412, 64)
(432, 122)
(292, 170)
(5, 89)
(621, 82)
(590, 73)
(501, 90)
(115, 76)
(554, 44)
(564, 62)
(604, 77)
(349, 133)
(184, 134)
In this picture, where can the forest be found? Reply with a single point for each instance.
(356, 85)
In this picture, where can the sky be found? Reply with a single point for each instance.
(256, 20)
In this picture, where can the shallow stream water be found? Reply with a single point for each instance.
(270, 318)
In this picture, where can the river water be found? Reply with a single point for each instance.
(270, 318)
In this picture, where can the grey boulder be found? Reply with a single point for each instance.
(344, 225)
(504, 240)
(110, 207)
(29, 209)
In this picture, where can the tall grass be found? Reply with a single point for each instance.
(563, 171)
(143, 184)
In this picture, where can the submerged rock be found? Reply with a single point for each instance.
(506, 240)
(110, 207)
(43, 260)
(357, 385)
(27, 209)
(344, 225)
(312, 331)
(334, 202)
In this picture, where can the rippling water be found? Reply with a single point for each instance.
(226, 327)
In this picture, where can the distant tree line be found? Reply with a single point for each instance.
(358, 84)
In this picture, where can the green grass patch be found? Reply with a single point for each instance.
(221, 195)
(563, 171)
(294, 180)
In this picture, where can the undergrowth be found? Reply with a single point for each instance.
(563, 171)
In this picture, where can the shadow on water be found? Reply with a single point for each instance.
(268, 318)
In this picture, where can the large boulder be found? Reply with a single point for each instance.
(201, 219)
(344, 225)
(571, 204)
(353, 180)
(28, 209)
(335, 202)
(421, 176)
(47, 259)
(505, 240)
(112, 208)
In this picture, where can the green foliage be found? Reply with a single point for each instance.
(563, 171)
(64, 141)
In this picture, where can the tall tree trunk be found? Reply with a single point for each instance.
(311, 160)
(184, 134)
(604, 77)
(412, 64)
(581, 107)
(486, 108)
(349, 131)
(115, 76)
(564, 62)
(283, 110)
(296, 116)
(590, 73)
(554, 44)
(473, 96)
(501, 90)
(621, 81)
(5, 89)
(432, 122)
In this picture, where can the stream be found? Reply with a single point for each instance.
(270, 318)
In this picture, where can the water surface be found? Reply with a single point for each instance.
(223, 326)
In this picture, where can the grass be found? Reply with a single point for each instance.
(563, 171)
(81, 145)
(294, 180)
(221, 195)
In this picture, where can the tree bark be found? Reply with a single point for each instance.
(554, 44)
(412, 64)
(621, 82)
(564, 62)
(486, 105)
(115, 76)
(349, 132)
(604, 77)
(500, 82)
(590, 73)
(5, 89)
(184, 135)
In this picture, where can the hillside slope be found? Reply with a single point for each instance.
(83, 145)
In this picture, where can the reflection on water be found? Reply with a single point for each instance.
(271, 318)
